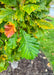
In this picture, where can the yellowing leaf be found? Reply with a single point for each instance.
(1, 30)
(2, 2)
(44, 24)
(19, 39)
(5, 47)
(0, 21)
(30, 8)
(35, 36)
(3, 57)
(0, 48)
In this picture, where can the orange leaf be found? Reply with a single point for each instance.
(9, 30)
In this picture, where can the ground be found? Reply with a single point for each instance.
(38, 66)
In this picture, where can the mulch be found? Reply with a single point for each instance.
(38, 66)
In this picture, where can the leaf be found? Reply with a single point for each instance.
(3, 57)
(19, 39)
(10, 47)
(44, 24)
(6, 14)
(30, 8)
(48, 65)
(9, 30)
(1, 42)
(2, 64)
(32, 1)
(28, 46)
(9, 2)
(20, 15)
(11, 43)
(2, 25)
(37, 0)
(38, 34)
(1, 30)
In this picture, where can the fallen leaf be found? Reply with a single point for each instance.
(52, 53)
(48, 65)
(44, 57)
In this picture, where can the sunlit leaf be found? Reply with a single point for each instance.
(28, 46)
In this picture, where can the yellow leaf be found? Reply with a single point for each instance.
(48, 65)
(2, 2)
(5, 47)
(43, 47)
(0, 21)
(19, 39)
(5, 55)
(1, 30)
(3, 59)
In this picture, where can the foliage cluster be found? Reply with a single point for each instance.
(21, 26)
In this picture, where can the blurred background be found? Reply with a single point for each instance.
(47, 44)
(51, 9)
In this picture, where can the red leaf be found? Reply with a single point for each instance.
(9, 30)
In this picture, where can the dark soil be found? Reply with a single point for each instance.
(38, 66)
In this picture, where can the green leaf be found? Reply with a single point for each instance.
(48, 1)
(28, 46)
(37, 0)
(3, 65)
(6, 14)
(9, 2)
(2, 25)
(39, 33)
(11, 43)
(20, 15)
(30, 8)
(32, 1)
(1, 42)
